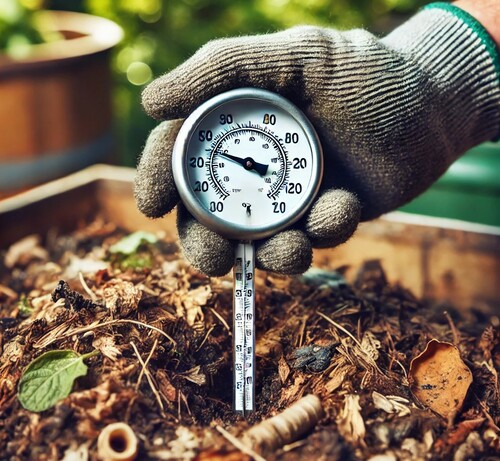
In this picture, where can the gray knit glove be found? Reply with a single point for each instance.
(392, 115)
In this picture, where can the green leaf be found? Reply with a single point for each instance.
(49, 378)
(131, 243)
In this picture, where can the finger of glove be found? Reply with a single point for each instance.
(154, 186)
(333, 218)
(206, 250)
(288, 252)
(272, 62)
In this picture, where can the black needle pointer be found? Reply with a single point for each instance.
(248, 163)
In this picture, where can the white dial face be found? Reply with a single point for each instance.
(250, 166)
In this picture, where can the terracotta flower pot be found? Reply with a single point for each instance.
(55, 104)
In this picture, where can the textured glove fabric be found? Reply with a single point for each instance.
(155, 191)
(206, 250)
(392, 115)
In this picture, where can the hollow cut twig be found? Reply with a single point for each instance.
(286, 427)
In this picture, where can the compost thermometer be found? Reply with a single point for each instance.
(247, 164)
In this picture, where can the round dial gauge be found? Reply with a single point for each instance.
(247, 163)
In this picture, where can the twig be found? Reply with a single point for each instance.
(109, 322)
(205, 338)
(148, 376)
(148, 358)
(221, 319)
(340, 327)
(487, 415)
(453, 328)
(86, 287)
(238, 444)
(302, 331)
(367, 357)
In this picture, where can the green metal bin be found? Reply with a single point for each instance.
(469, 190)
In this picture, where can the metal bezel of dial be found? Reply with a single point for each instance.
(223, 227)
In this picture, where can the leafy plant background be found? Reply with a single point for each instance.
(160, 34)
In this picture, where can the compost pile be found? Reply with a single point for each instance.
(397, 378)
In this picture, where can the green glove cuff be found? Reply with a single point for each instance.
(476, 27)
(459, 58)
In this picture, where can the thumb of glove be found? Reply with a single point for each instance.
(154, 186)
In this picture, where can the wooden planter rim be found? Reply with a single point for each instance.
(92, 34)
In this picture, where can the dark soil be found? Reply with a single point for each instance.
(299, 351)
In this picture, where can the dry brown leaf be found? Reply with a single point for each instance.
(391, 403)
(167, 389)
(338, 375)
(490, 339)
(350, 422)
(13, 350)
(439, 378)
(388, 456)
(458, 434)
(184, 447)
(106, 344)
(283, 369)
(193, 301)
(121, 296)
(269, 344)
(98, 405)
(195, 376)
(370, 344)
(24, 251)
(294, 391)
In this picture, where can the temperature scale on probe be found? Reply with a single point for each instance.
(247, 164)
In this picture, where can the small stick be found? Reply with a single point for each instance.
(239, 444)
(221, 319)
(141, 374)
(148, 376)
(340, 327)
(206, 337)
(109, 322)
(92, 295)
(454, 331)
(302, 331)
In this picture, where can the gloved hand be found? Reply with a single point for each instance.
(392, 115)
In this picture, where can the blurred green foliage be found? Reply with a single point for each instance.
(17, 28)
(160, 34)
